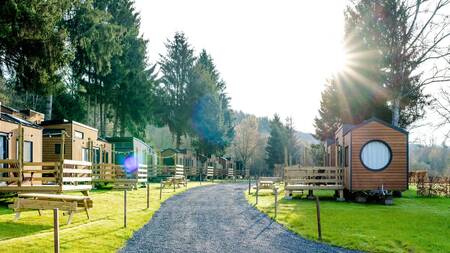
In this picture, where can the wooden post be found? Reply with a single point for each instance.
(160, 189)
(63, 137)
(20, 153)
(257, 189)
(125, 208)
(174, 183)
(148, 196)
(56, 230)
(249, 183)
(276, 201)
(319, 229)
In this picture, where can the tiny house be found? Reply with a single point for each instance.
(81, 142)
(374, 156)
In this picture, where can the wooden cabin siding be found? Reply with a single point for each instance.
(49, 143)
(394, 177)
(89, 134)
(30, 134)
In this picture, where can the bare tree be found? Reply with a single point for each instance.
(418, 39)
(246, 140)
(442, 108)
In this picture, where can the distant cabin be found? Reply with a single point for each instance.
(10, 120)
(374, 155)
(81, 142)
(125, 147)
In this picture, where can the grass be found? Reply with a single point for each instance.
(411, 224)
(103, 233)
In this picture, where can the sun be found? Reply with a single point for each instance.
(338, 61)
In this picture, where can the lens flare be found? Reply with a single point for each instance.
(130, 164)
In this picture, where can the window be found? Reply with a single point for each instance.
(96, 155)
(3, 146)
(27, 151)
(85, 154)
(57, 149)
(3, 151)
(346, 157)
(79, 135)
(376, 155)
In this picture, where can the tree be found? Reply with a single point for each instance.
(177, 69)
(276, 144)
(442, 107)
(246, 140)
(408, 36)
(211, 120)
(318, 154)
(292, 143)
(33, 45)
(95, 40)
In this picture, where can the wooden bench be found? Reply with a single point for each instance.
(40, 201)
(268, 182)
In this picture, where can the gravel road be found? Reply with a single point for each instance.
(216, 218)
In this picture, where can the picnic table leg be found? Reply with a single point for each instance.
(16, 218)
(70, 217)
(86, 209)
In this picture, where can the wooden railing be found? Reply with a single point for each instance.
(63, 175)
(114, 172)
(313, 176)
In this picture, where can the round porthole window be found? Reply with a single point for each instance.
(376, 155)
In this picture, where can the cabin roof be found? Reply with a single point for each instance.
(126, 139)
(16, 120)
(65, 121)
(374, 119)
(176, 150)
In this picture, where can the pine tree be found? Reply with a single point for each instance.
(177, 69)
(276, 144)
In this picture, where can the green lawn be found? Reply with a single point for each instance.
(103, 233)
(412, 224)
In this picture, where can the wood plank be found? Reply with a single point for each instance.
(77, 179)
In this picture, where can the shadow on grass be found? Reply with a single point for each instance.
(12, 230)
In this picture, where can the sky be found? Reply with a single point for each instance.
(275, 56)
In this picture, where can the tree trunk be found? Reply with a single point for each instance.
(396, 112)
(116, 122)
(48, 107)
(178, 140)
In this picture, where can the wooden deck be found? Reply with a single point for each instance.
(66, 175)
(313, 178)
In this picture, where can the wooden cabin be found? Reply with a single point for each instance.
(81, 142)
(374, 155)
(129, 167)
(330, 153)
(172, 159)
(22, 168)
(14, 129)
(130, 146)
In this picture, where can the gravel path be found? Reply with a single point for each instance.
(216, 218)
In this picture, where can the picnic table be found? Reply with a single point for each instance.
(41, 201)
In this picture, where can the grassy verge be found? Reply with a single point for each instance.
(412, 224)
(103, 233)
